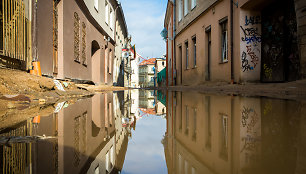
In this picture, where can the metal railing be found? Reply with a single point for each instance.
(15, 42)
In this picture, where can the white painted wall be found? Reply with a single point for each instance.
(135, 72)
(250, 45)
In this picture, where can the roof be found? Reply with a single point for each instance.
(148, 62)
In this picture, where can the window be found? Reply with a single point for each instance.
(106, 12)
(187, 121)
(224, 137)
(96, 5)
(187, 53)
(152, 79)
(193, 4)
(110, 61)
(194, 40)
(180, 10)
(186, 4)
(111, 18)
(76, 37)
(223, 25)
(194, 131)
(84, 59)
(163, 63)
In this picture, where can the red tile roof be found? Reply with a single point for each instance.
(148, 62)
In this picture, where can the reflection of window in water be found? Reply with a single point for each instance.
(180, 163)
(109, 160)
(187, 121)
(208, 123)
(194, 131)
(79, 137)
(224, 137)
(186, 167)
(97, 170)
(180, 121)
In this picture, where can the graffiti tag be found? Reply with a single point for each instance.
(251, 35)
(254, 57)
(252, 20)
(245, 63)
(268, 71)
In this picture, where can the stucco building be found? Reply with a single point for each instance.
(121, 42)
(146, 73)
(71, 39)
(222, 40)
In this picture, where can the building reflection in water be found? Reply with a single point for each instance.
(90, 136)
(224, 134)
(205, 134)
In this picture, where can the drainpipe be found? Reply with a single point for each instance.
(173, 41)
(232, 43)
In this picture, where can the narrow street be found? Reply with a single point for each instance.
(153, 87)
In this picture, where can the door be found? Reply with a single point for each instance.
(280, 61)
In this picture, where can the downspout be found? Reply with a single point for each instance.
(232, 42)
(167, 64)
(172, 34)
(173, 38)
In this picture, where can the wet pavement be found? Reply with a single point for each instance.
(142, 131)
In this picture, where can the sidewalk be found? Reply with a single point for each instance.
(100, 88)
(292, 90)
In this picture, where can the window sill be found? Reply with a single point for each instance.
(226, 61)
(195, 67)
(193, 8)
(77, 61)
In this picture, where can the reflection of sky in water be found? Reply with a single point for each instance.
(145, 152)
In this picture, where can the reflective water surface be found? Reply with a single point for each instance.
(161, 132)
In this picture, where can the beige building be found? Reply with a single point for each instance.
(121, 39)
(71, 39)
(222, 40)
(160, 64)
(146, 73)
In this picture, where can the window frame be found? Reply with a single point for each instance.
(96, 5)
(186, 7)
(106, 12)
(193, 4)
(180, 10)
(194, 44)
(224, 40)
(186, 55)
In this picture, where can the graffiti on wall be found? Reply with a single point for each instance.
(251, 39)
(251, 35)
(250, 140)
(252, 20)
(254, 59)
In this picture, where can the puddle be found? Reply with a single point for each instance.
(143, 131)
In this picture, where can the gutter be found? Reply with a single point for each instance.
(232, 41)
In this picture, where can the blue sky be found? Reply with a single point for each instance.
(145, 19)
(145, 153)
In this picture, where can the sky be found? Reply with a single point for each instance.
(145, 21)
(145, 153)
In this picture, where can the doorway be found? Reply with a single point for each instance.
(96, 62)
(280, 59)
